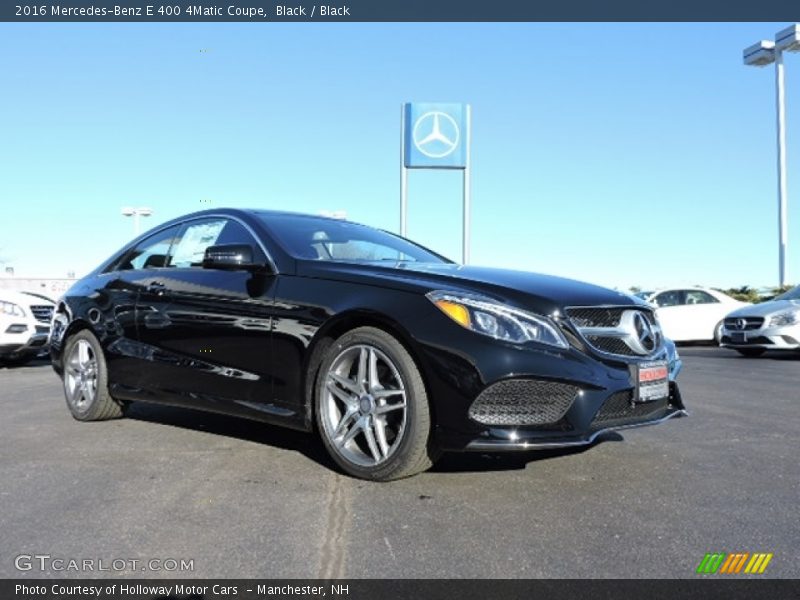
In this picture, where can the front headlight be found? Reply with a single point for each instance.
(782, 319)
(9, 308)
(499, 321)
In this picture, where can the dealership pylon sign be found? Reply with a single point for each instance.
(436, 136)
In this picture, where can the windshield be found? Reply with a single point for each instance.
(792, 294)
(315, 238)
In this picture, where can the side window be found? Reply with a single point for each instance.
(670, 298)
(235, 233)
(699, 297)
(150, 253)
(199, 235)
(195, 238)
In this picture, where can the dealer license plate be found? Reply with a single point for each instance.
(738, 337)
(652, 381)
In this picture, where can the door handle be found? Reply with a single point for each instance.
(157, 288)
(157, 321)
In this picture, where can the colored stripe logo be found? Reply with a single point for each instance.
(734, 563)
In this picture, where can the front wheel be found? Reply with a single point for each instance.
(86, 380)
(718, 333)
(371, 407)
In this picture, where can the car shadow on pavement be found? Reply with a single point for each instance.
(306, 444)
(477, 462)
(309, 445)
(35, 363)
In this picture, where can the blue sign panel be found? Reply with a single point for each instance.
(436, 136)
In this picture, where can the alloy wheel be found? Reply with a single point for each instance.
(364, 406)
(80, 376)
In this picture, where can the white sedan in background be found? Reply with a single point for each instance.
(773, 325)
(691, 314)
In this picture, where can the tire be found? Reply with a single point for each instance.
(372, 409)
(717, 339)
(85, 380)
(751, 352)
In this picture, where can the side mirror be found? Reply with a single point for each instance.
(230, 257)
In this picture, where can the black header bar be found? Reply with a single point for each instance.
(337, 11)
(709, 588)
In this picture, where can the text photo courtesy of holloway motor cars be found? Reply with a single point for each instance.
(326, 308)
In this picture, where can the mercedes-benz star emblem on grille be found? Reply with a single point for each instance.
(741, 323)
(436, 134)
(644, 332)
(618, 330)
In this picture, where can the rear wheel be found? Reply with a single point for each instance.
(751, 352)
(86, 380)
(371, 407)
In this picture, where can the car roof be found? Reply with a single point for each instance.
(684, 287)
(259, 212)
(246, 214)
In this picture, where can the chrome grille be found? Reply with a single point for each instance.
(523, 402)
(611, 345)
(43, 313)
(627, 331)
(595, 317)
(743, 323)
(619, 409)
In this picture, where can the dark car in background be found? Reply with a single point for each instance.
(390, 351)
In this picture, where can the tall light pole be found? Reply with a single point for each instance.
(761, 55)
(141, 211)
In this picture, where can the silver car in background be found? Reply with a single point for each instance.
(773, 325)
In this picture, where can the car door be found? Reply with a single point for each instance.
(671, 311)
(115, 303)
(705, 312)
(210, 329)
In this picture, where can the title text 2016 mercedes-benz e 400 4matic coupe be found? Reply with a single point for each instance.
(390, 351)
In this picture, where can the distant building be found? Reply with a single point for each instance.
(51, 287)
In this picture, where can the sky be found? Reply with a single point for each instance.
(620, 154)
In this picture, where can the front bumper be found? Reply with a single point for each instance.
(768, 338)
(572, 397)
(23, 336)
(501, 440)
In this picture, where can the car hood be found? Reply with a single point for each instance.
(543, 293)
(765, 308)
(23, 300)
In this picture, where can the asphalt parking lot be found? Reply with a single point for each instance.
(246, 500)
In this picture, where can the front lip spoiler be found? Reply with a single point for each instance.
(506, 445)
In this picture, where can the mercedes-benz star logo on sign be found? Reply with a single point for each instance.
(436, 134)
(644, 332)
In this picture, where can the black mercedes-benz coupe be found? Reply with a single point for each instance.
(390, 351)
